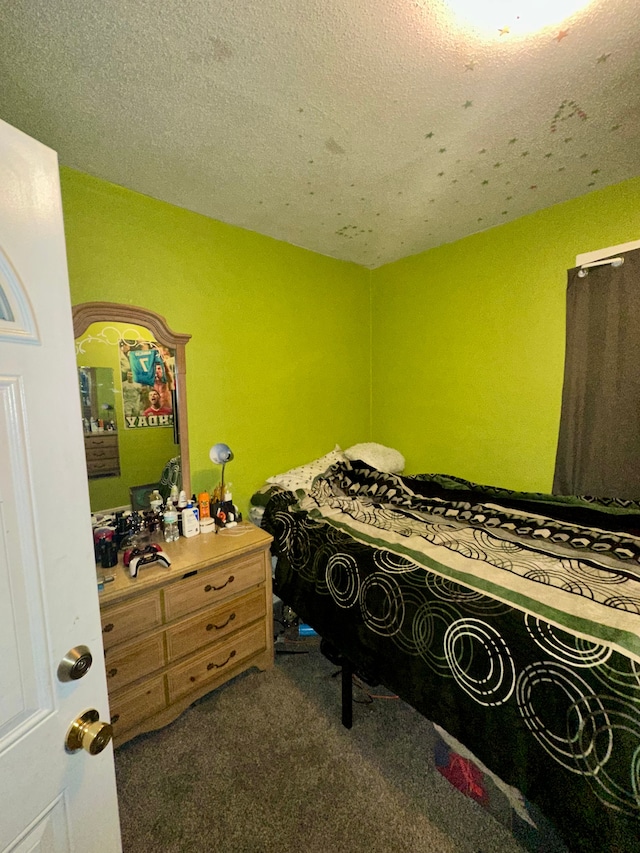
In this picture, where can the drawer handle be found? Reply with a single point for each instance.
(232, 654)
(208, 587)
(108, 628)
(113, 671)
(115, 719)
(211, 626)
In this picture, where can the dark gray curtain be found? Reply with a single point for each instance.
(599, 441)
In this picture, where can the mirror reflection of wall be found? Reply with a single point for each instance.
(98, 399)
(142, 406)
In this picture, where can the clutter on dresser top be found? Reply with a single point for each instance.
(139, 536)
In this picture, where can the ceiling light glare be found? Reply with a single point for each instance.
(506, 17)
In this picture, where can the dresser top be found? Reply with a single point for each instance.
(187, 555)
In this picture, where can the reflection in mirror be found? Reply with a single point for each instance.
(132, 389)
(97, 396)
(99, 421)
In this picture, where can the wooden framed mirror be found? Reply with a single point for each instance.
(113, 329)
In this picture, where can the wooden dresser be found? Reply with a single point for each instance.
(103, 457)
(173, 634)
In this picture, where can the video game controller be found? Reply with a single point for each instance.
(137, 557)
(134, 552)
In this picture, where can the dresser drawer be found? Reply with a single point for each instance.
(101, 441)
(96, 454)
(212, 663)
(132, 706)
(124, 621)
(103, 467)
(211, 586)
(127, 663)
(211, 625)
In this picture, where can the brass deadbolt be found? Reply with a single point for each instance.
(87, 732)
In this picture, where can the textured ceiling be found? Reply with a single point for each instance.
(366, 130)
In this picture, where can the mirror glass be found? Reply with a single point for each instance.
(131, 384)
(99, 421)
(98, 399)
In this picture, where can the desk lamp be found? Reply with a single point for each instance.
(220, 454)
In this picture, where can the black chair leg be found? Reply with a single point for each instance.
(347, 694)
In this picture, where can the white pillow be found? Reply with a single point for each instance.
(303, 476)
(378, 456)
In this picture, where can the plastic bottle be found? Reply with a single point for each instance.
(203, 505)
(174, 495)
(155, 500)
(182, 504)
(190, 524)
(171, 533)
(193, 506)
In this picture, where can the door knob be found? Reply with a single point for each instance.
(87, 732)
(76, 663)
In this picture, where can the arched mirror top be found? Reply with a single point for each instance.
(96, 312)
(87, 313)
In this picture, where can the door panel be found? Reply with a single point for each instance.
(51, 800)
(26, 690)
(47, 834)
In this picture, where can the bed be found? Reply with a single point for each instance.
(510, 619)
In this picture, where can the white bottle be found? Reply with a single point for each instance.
(195, 509)
(170, 519)
(190, 524)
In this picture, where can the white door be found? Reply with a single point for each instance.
(51, 800)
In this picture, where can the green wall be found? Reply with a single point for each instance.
(468, 341)
(278, 363)
(454, 356)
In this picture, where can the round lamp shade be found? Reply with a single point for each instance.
(220, 453)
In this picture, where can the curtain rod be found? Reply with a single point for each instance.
(584, 268)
